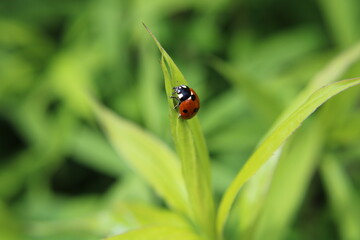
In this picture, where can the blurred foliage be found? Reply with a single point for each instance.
(247, 60)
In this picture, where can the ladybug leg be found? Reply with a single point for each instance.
(177, 99)
(177, 105)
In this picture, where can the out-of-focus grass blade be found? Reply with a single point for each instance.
(329, 74)
(150, 92)
(342, 18)
(149, 157)
(291, 176)
(10, 227)
(343, 198)
(275, 139)
(261, 100)
(157, 233)
(270, 55)
(251, 199)
(131, 216)
(135, 215)
(89, 147)
(268, 225)
(190, 144)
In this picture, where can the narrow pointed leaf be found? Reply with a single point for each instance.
(275, 140)
(191, 147)
(148, 156)
(291, 177)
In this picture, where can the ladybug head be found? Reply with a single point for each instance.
(183, 92)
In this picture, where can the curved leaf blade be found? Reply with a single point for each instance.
(275, 140)
(148, 156)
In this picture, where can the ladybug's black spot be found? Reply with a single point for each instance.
(185, 111)
(193, 97)
(196, 109)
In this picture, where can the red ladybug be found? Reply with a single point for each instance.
(188, 101)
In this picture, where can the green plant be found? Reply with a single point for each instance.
(251, 62)
(183, 180)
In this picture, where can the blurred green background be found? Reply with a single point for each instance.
(60, 178)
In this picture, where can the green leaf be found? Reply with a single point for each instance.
(292, 177)
(289, 177)
(134, 215)
(333, 71)
(250, 202)
(342, 20)
(157, 233)
(343, 197)
(275, 140)
(148, 156)
(192, 150)
(89, 147)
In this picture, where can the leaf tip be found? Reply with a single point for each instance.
(153, 37)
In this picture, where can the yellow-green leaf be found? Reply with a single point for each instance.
(147, 155)
(157, 233)
(275, 139)
(191, 147)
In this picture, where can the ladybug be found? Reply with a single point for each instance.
(188, 101)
